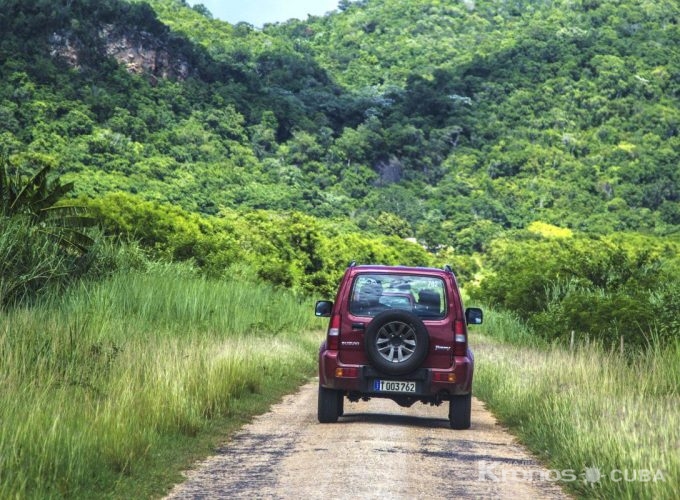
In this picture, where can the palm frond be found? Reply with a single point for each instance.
(78, 221)
(63, 210)
(37, 200)
(77, 240)
(53, 196)
(5, 189)
(73, 240)
(36, 185)
(72, 216)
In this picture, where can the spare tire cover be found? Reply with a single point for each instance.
(396, 342)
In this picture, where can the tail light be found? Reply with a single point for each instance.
(333, 336)
(444, 377)
(459, 338)
(347, 372)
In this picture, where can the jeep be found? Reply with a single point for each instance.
(399, 333)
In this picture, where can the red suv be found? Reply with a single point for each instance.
(397, 333)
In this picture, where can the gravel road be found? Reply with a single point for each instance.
(376, 450)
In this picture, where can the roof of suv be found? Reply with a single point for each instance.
(400, 269)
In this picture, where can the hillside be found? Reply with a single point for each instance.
(448, 121)
(521, 110)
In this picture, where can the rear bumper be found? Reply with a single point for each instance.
(430, 382)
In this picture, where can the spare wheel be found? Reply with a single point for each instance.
(396, 342)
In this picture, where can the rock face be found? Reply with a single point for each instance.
(139, 52)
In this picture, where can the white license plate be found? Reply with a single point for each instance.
(393, 386)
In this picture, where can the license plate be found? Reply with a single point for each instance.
(393, 386)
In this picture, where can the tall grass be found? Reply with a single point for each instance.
(507, 326)
(28, 260)
(94, 381)
(590, 408)
(32, 263)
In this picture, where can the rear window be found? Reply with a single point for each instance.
(421, 295)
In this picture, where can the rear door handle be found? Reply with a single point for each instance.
(358, 326)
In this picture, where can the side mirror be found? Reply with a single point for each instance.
(474, 316)
(323, 308)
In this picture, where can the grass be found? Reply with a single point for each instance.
(588, 408)
(112, 389)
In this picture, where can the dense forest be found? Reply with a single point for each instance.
(283, 152)
(444, 117)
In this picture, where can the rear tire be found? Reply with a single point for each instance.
(329, 405)
(460, 408)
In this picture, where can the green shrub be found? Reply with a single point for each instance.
(606, 316)
(290, 250)
(600, 287)
(30, 261)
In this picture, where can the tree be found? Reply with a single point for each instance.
(37, 200)
(203, 10)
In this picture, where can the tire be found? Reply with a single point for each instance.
(329, 405)
(341, 403)
(396, 342)
(460, 408)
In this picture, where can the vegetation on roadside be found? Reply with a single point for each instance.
(45, 241)
(613, 289)
(42, 243)
(292, 249)
(580, 356)
(587, 409)
(104, 382)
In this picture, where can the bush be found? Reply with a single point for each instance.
(291, 250)
(602, 287)
(602, 315)
(30, 261)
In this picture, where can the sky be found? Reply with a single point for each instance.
(258, 12)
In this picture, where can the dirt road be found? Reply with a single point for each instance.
(376, 450)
